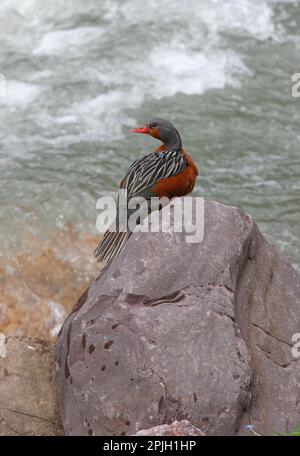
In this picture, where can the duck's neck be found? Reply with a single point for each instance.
(173, 142)
(164, 148)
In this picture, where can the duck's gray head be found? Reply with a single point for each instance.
(164, 131)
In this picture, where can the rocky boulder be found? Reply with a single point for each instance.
(28, 396)
(176, 331)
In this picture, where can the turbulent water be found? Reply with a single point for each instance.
(81, 73)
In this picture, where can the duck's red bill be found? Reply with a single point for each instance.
(144, 130)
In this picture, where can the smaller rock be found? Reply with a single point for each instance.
(28, 395)
(177, 428)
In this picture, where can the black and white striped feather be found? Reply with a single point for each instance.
(147, 171)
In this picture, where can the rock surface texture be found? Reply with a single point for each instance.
(28, 396)
(178, 428)
(177, 331)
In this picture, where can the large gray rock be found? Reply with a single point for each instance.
(174, 331)
(28, 396)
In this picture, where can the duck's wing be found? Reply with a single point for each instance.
(145, 172)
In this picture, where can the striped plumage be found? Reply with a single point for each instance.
(168, 171)
(146, 171)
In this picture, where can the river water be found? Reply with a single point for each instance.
(79, 74)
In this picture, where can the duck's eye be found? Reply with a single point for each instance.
(153, 125)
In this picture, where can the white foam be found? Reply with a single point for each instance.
(168, 70)
(59, 42)
(158, 49)
(254, 17)
(20, 93)
(184, 71)
(103, 117)
(251, 16)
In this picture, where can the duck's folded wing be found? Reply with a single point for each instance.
(144, 173)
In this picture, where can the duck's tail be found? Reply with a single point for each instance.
(111, 244)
